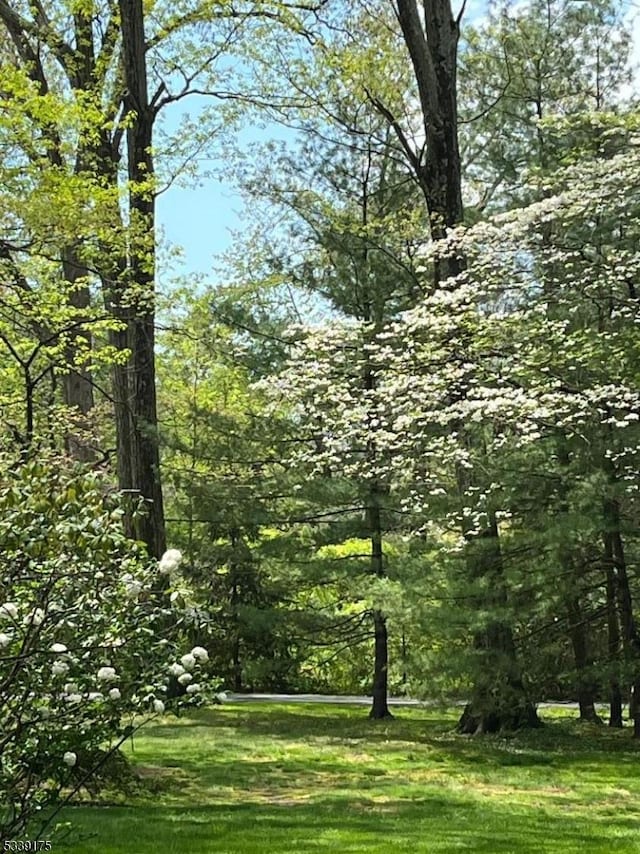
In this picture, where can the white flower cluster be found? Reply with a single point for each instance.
(169, 561)
(182, 670)
(9, 611)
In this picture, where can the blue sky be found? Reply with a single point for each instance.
(200, 219)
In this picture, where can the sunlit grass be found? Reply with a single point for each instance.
(263, 778)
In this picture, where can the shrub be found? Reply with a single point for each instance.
(88, 644)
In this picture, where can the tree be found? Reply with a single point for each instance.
(432, 46)
(524, 64)
(45, 330)
(120, 65)
(560, 389)
(342, 243)
(226, 485)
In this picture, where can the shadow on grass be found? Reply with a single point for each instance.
(559, 743)
(429, 824)
(292, 779)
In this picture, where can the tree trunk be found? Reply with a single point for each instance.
(613, 636)
(433, 51)
(498, 700)
(379, 706)
(373, 313)
(234, 602)
(77, 387)
(570, 561)
(630, 639)
(585, 686)
(144, 446)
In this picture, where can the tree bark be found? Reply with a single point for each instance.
(234, 602)
(498, 699)
(144, 446)
(613, 637)
(630, 638)
(379, 706)
(433, 51)
(570, 561)
(585, 686)
(77, 387)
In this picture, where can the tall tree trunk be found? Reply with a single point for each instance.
(234, 602)
(433, 49)
(571, 564)
(585, 686)
(499, 698)
(613, 636)
(144, 446)
(77, 387)
(373, 312)
(630, 638)
(379, 706)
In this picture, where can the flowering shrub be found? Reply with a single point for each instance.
(87, 644)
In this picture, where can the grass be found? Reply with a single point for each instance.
(266, 778)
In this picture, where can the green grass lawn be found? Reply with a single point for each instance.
(311, 778)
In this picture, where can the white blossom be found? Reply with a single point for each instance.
(106, 674)
(59, 668)
(57, 648)
(169, 561)
(5, 640)
(35, 617)
(114, 694)
(70, 758)
(188, 661)
(158, 706)
(9, 609)
(185, 678)
(132, 585)
(200, 653)
(176, 669)
(193, 688)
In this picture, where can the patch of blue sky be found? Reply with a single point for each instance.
(198, 220)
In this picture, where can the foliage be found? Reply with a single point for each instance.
(522, 65)
(88, 644)
(533, 345)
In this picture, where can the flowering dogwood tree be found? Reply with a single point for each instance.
(88, 645)
(506, 410)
